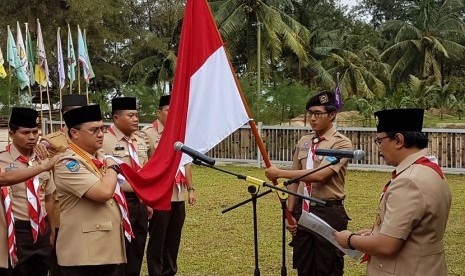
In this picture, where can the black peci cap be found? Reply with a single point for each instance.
(84, 114)
(164, 100)
(123, 103)
(24, 117)
(73, 100)
(390, 120)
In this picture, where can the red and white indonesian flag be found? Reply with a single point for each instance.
(206, 106)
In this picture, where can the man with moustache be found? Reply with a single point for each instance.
(124, 142)
(90, 241)
(408, 235)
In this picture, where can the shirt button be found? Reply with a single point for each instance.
(97, 226)
(380, 265)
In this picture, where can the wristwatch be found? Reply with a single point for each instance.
(115, 167)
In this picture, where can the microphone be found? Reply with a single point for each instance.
(356, 155)
(179, 146)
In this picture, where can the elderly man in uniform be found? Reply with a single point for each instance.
(123, 141)
(90, 241)
(32, 199)
(8, 178)
(166, 226)
(52, 144)
(408, 235)
(313, 255)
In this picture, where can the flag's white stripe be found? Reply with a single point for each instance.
(215, 107)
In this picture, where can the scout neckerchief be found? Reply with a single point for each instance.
(309, 166)
(99, 167)
(135, 163)
(180, 178)
(10, 224)
(36, 212)
(429, 161)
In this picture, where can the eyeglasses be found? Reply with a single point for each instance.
(317, 114)
(96, 130)
(378, 140)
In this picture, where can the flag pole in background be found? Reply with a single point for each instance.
(24, 64)
(42, 73)
(71, 58)
(79, 66)
(61, 70)
(30, 59)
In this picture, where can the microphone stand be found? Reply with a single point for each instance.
(253, 190)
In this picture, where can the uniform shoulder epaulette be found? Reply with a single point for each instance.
(146, 127)
(53, 135)
(140, 133)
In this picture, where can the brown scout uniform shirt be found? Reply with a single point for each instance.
(153, 136)
(414, 208)
(58, 141)
(118, 147)
(333, 187)
(8, 162)
(91, 232)
(3, 238)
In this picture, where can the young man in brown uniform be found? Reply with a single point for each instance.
(90, 241)
(31, 200)
(8, 178)
(124, 142)
(50, 145)
(166, 226)
(313, 255)
(408, 235)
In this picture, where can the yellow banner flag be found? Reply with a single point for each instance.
(2, 68)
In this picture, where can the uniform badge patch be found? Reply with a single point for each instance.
(72, 165)
(330, 159)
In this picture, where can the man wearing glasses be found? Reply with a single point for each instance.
(407, 237)
(90, 241)
(313, 255)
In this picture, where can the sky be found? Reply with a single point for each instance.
(349, 2)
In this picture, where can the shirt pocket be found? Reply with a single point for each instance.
(120, 153)
(303, 153)
(96, 226)
(384, 265)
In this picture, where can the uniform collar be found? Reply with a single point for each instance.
(120, 135)
(328, 134)
(159, 126)
(407, 162)
(14, 152)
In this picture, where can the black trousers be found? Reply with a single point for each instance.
(5, 271)
(313, 254)
(165, 236)
(138, 218)
(33, 258)
(54, 271)
(88, 270)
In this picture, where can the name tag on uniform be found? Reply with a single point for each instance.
(118, 147)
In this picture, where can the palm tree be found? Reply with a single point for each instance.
(238, 21)
(362, 73)
(424, 45)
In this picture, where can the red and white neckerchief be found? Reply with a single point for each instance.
(119, 195)
(429, 161)
(36, 212)
(135, 163)
(309, 165)
(10, 223)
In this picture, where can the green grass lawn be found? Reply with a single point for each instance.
(222, 244)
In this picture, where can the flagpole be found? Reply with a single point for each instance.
(29, 82)
(69, 69)
(87, 84)
(49, 108)
(79, 71)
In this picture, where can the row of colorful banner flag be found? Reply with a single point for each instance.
(30, 65)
